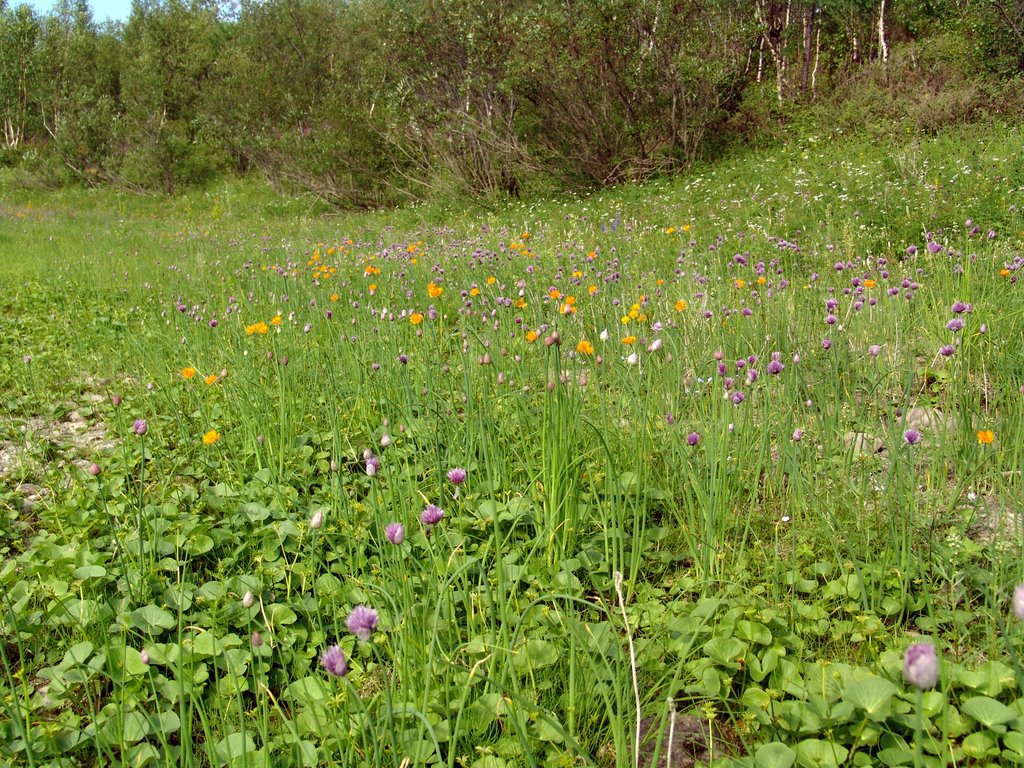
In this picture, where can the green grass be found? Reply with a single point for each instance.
(774, 563)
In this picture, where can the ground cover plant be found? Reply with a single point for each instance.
(719, 469)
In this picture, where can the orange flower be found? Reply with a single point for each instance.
(416, 318)
(531, 336)
(275, 320)
(519, 303)
(492, 280)
(1004, 272)
(629, 340)
(592, 289)
(259, 327)
(555, 294)
(585, 347)
(869, 283)
(211, 437)
(739, 283)
(686, 227)
(474, 291)
(670, 231)
(434, 290)
(189, 372)
(681, 305)
(211, 379)
(334, 297)
(986, 436)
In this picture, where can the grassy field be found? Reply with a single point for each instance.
(468, 486)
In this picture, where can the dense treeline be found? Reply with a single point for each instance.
(372, 102)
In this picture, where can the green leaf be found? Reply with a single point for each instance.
(726, 651)
(89, 572)
(816, 753)
(988, 712)
(278, 615)
(234, 745)
(774, 755)
(152, 618)
(308, 690)
(872, 694)
(980, 744)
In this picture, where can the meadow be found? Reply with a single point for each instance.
(690, 465)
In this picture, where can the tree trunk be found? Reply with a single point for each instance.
(882, 45)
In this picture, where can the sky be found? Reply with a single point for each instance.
(102, 10)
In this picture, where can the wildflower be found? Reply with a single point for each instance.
(276, 320)
(798, 435)
(395, 532)
(144, 657)
(1018, 602)
(585, 347)
(256, 639)
(912, 436)
(629, 340)
(874, 349)
(921, 666)
(955, 324)
(140, 427)
(248, 599)
(385, 440)
(681, 305)
(531, 336)
(654, 346)
(431, 515)
(737, 397)
(456, 476)
(633, 359)
(947, 350)
(211, 379)
(403, 359)
(826, 344)
(361, 622)
(693, 438)
(604, 336)
(416, 318)
(986, 436)
(869, 283)
(317, 520)
(211, 437)
(372, 465)
(434, 290)
(188, 372)
(775, 368)
(334, 661)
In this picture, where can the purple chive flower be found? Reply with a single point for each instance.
(874, 349)
(798, 435)
(737, 398)
(775, 368)
(94, 469)
(457, 476)
(826, 344)
(432, 515)
(140, 427)
(1018, 602)
(921, 666)
(334, 661)
(361, 622)
(912, 436)
(395, 532)
(692, 439)
(947, 350)
(959, 308)
(934, 247)
(956, 324)
(372, 466)
(403, 359)
(911, 250)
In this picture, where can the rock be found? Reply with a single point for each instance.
(861, 442)
(691, 742)
(924, 419)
